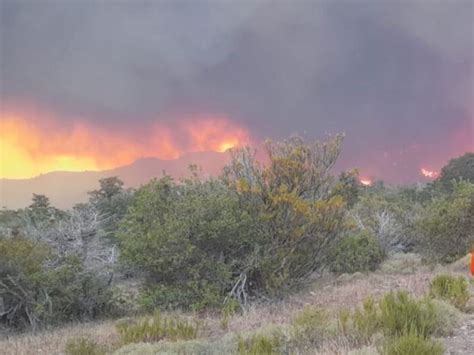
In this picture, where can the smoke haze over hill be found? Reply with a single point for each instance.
(124, 80)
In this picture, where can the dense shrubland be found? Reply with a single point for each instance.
(255, 233)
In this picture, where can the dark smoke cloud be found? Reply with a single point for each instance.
(396, 76)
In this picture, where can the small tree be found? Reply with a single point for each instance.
(447, 227)
(297, 217)
(111, 201)
(461, 168)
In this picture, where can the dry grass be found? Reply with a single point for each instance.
(54, 341)
(328, 292)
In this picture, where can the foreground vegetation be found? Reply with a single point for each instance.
(256, 235)
(329, 316)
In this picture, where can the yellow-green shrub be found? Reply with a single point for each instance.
(259, 344)
(361, 324)
(412, 344)
(83, 346)
(156, 328)
(451, 289)
(401, 314)
(310, 325)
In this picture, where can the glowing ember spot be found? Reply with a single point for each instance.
(32, 143)
(429, 173)
(366, 182)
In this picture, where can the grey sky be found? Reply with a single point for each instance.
(396, 76)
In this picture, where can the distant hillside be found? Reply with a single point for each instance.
(65, 189)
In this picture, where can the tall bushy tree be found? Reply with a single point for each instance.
(297, 216)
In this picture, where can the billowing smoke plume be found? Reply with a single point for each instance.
(396, 76)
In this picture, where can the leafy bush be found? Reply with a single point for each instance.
(257, 231)
(360, 252)
(310, 325)
(411, 344)
(187, 239)
(451, 289)
(461, 168)
(400, 315)
(156, 328)
(38, 287)
(83, 346)
(447, 225)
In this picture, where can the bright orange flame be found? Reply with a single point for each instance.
(32, 143)
(429, 173)
(366, 182)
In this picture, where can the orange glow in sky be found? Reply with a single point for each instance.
(429, 173)
(366, 182)
(36, 143)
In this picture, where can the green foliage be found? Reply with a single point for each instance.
(348, 187)
(412, 344)
(448, 318)
(461, 168)
(357, 253)
(396, 315)
(257, 231)
(402, 263)
(401, 315)
(41, 212)
(37, 287)
(156, 328)
(451, 289)
(215, 346)
(389, 214)
(229, 309)
(83, 346)
(188, 239)
(310, 325)
(111, 201)
(361, 324)
(260, 344)
(366, 320)
(296, 219)
(447, 225)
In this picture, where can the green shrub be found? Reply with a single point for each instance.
(411, 344)
(186, 239)
(156, 328)
(361, 324)
(310, 325)
(222, 345)
(446, 228)
(402, 263)
(366, 320)
(400, 315)
(229, 309)
(448, 318)
(259, 230)
(360, 252)
(83, 346)
(451, 289)
(260, 344)
(460, 168)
